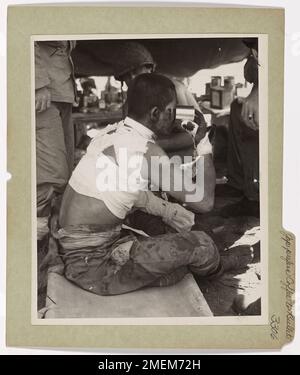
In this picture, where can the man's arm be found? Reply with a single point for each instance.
(180, 138)
(176, 141)
(172, 214)
(199, 196)
(41, 74)
(250, 109)
(42, 80)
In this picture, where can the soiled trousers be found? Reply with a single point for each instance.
(54, 153)
(106, 264)
(243, 155)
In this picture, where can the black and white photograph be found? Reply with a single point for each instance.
(149, 179)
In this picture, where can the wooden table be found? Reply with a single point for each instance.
(97, 119)
(101, 117)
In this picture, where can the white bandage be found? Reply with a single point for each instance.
(204, 147)
(172, 214)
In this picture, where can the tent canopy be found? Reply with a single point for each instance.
(176, 57)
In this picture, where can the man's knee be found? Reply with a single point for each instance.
(206, 254)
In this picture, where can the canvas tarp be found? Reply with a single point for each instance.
(176, 57)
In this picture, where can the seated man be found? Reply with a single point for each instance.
(104, 188)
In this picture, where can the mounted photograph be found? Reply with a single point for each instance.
(146, 160)
(149, 160)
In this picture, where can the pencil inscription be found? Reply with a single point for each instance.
(288, 284)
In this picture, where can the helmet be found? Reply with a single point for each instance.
(130, 56)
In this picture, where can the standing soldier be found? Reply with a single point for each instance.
(54, 98)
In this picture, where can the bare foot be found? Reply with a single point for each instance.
(237, 257)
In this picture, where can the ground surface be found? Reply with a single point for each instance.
(243, 286)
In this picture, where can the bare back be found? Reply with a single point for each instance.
(79, 209)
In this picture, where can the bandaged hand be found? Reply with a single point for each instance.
(172, 214)
(204, 147)
(197, 127)
(178, 217)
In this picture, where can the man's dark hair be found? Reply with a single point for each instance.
(149, 90)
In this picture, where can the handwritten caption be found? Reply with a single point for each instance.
(288, 284)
